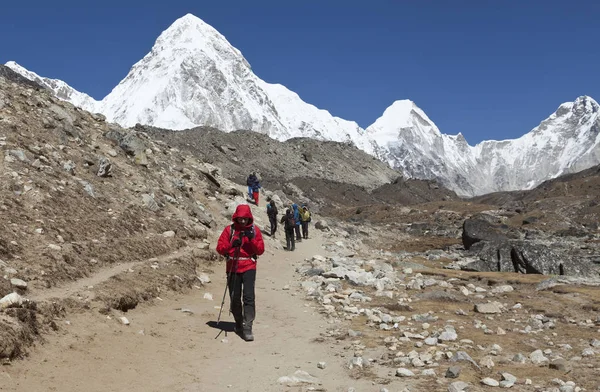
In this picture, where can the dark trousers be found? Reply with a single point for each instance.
(241, 286)
(289, 239)
(298, 236)
(273, 221)
(304, 230)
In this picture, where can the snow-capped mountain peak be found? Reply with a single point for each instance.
(193, 76)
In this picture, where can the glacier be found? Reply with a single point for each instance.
(193, 76)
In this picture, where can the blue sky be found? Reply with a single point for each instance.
(487, 69)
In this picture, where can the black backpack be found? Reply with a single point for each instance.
(290, 222)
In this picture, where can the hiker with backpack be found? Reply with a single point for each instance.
(298, 222)
(289, 224)
(255, 191)
(272, 214)
(241, 243)
(250, 181)
(305, 218)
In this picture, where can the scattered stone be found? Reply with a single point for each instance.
(322, 365)
(403, 372)
(208, 296)
(537, 357)
(488, 308)
(12, 300)
(448, 335)
(299, 377)
(204, 278)
(560, 364)
(458, 386)
(519, 358)
(124, 320)
(453, 372)
(18, 283)
(588, 352)
(462, 356)
(490, 382)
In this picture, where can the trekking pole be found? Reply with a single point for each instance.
(233, 270)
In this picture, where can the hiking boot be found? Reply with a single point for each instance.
(247, 335)
(238, 329)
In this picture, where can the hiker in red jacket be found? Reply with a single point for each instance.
(245, 242)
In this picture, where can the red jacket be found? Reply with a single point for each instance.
(249, 248)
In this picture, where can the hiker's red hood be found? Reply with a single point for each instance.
(243, 211)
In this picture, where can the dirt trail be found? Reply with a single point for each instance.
(166, 349)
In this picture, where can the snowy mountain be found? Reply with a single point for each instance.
(193, 76)
(567, 141)
(60, 89)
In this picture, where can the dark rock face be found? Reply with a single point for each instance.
(11, 75)
(476, 230)
(495, 252)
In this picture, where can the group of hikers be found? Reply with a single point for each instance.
(241, 243)
(294, 219)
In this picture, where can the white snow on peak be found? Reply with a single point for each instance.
(193, 76)
(400, 116)
(305, 120)
(61, 89)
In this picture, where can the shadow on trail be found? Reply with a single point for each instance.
(226, 326)
(223, 326)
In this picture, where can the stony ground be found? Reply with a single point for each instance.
(107, 240)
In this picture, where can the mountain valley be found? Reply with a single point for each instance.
(110, 278)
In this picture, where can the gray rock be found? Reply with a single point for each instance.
(476, 230)
(490, 382)
(453, 372)
(299, 377)
(404, 372)
(560, 364)
(131, 144)
(150, 203)
(488, 308)
(458, 386)
(448, 335)
(588, 352)
(519, 358)
(18, 283)
(322, 225)
(537, 357)
(462, 356)
(104, 168)
(509, 377)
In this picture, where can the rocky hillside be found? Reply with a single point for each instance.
(327, 174)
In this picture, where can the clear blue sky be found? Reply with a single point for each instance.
(488, 69)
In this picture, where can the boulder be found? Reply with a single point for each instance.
(104, 168)
(321, 225)
(528, 257)
(476, 230)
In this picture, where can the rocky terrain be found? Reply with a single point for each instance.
(417, 287)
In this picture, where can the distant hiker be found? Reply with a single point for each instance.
(298, 222)
(250, 181)
(272, 214)
(305, 219)
(241, 243)
(289, 224)
(255, 191)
